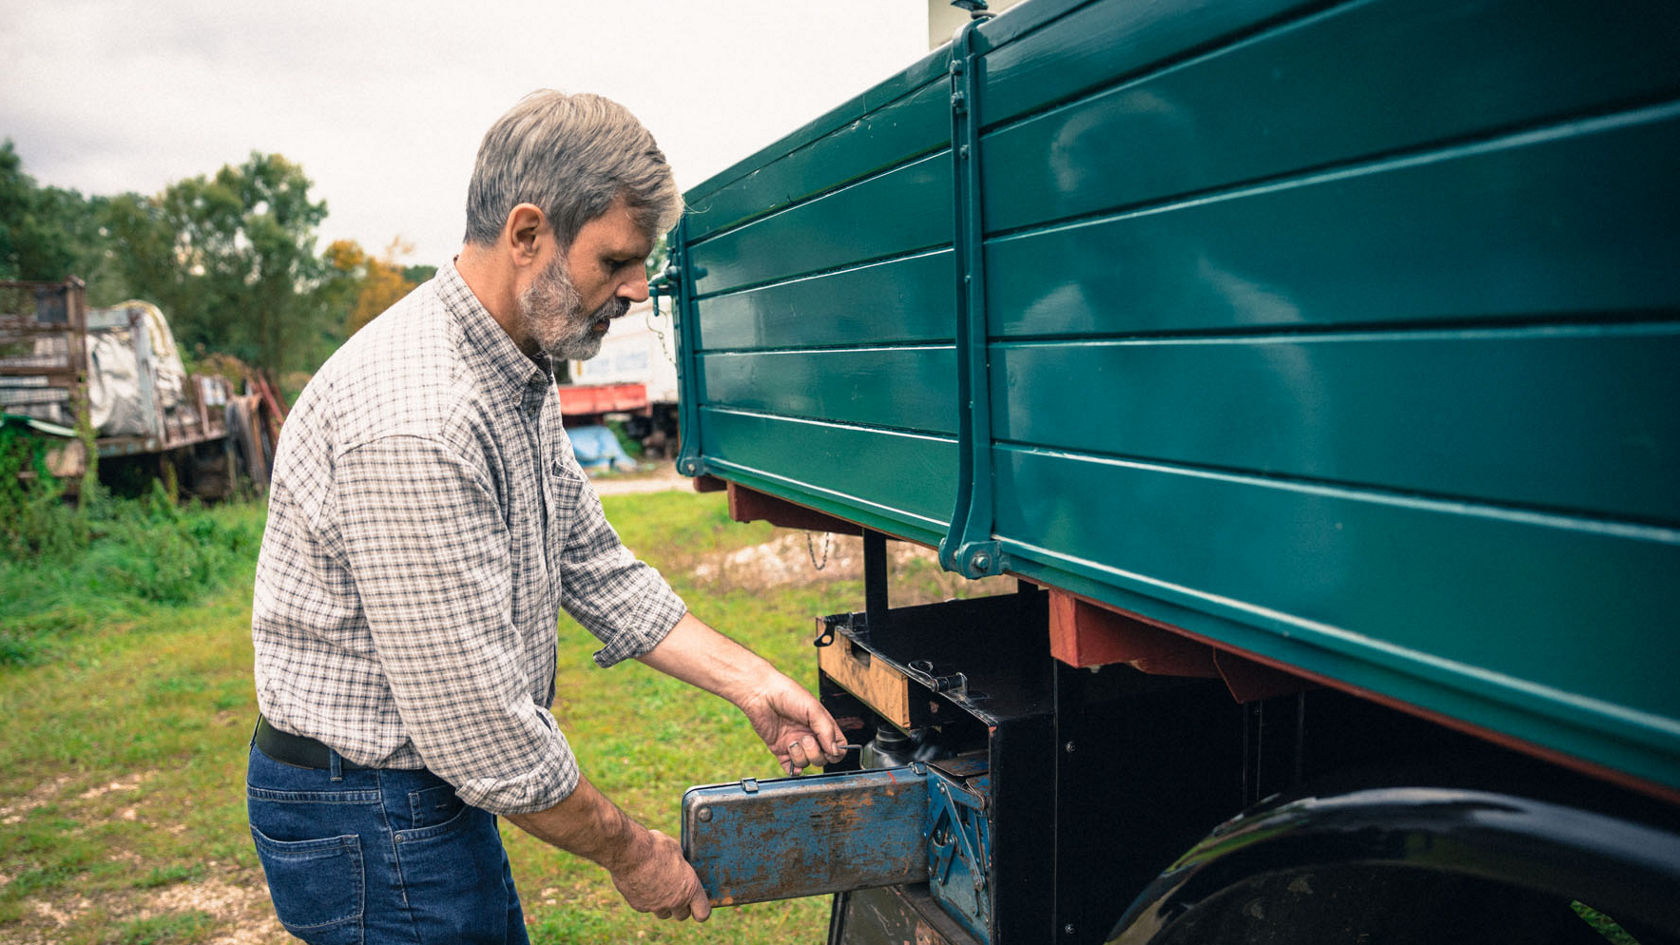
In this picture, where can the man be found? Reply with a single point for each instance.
(426, 519)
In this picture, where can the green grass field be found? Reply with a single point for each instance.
(126, 692)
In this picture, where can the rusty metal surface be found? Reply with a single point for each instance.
(755, 841)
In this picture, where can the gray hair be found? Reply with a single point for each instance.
(571, 156)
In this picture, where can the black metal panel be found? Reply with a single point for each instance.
(1145, 765)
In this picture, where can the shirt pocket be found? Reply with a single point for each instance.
(564, 489)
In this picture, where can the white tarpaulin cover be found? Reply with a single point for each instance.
(135, 373)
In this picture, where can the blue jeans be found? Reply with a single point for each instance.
(380, 856)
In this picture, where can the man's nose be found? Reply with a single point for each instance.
(634, 289)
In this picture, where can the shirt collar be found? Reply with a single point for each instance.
(486, 336)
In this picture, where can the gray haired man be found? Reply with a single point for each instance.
(426, 520)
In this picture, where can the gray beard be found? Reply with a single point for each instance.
(549, 313)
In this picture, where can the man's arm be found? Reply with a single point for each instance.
(792, 723)
(647, 866)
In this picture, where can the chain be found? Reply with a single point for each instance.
(653, 312)
(811, 549)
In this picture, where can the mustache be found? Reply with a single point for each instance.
(612, 309)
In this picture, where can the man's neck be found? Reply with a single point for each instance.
(491, 279)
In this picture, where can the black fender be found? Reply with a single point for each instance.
(1402, 844)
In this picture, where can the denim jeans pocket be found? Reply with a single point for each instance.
(317, 886)
(454, 877)
(433, 806)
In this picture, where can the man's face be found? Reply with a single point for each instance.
(551, 313)
(600, 274)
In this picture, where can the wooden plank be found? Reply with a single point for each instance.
(1083, 635)
(881, 687)
(750, 505)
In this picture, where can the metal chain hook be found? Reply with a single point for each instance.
(811, 549)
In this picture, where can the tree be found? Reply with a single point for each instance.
(364, 286)
(33, 243)
(231, 260)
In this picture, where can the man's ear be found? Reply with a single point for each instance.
(525, 223)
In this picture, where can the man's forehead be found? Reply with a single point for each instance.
(618, 232)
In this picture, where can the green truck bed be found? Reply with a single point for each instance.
(1343, 335)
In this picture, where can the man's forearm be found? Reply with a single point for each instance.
(700, 656)
(590, 825)
(647, 866)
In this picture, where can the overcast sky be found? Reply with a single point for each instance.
(383, 103)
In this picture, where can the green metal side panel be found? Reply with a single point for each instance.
(1346, 334)
(901, 300)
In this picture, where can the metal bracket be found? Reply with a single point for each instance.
(679, 276)
(922, 672)
(968, 547)
(959, 850)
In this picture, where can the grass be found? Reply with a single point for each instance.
(125, 680)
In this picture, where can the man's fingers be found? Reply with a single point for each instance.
(803, 752)
(700, 907)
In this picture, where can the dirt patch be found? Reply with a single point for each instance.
(244, 906)
(236, 900)
(796, 559)
(39, 796)
(129, 783)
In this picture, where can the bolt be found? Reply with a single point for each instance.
(982, 562)
(1068, 747)
(705, 814)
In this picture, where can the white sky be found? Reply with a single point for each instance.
(383, 103)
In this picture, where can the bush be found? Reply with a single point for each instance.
(35, 521)
(155, 551)
(81, 568)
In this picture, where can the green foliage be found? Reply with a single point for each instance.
(418, 274)
(49, 234)
(32, 246)
(231, 260)
(159, 697)
(158, 552)
(34, 520)
(107, 556)
(172, 927)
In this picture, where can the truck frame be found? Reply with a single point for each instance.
(1312, 366)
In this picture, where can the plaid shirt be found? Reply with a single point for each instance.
(426, 518)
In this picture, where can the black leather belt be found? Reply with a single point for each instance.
(299, 750)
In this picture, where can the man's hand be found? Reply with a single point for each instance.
(660, 881)
(794, 725)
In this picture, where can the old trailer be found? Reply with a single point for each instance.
(108, 383)
(1315, 366)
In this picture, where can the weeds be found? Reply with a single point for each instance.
(117, 554)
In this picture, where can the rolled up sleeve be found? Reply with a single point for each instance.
(423, 534)
(624, 602)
